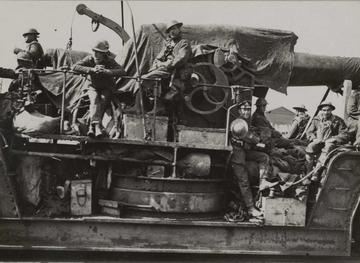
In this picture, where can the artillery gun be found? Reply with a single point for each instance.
(132, 191)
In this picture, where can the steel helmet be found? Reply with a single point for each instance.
(171, 24)
(300, 107)
(23, 56)
(100, 46)
(239, 128)
(106, 43)
(261, 102)
(31, 31)
(326, 103)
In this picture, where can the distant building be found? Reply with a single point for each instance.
(281, 119)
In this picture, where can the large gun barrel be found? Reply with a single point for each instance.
(316, 70)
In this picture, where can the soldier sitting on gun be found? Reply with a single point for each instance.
(102, 70)
(299, 123)
(172, 57)
(325, 133)
(261, 123)
(244, 141)
(34, 49)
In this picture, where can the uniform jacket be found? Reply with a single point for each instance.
(36, 52)
(175, 53)
(100, 81)
(353, 106)
(335, 128)
(259, 121)
(298, 126)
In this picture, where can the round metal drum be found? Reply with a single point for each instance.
(169, 197)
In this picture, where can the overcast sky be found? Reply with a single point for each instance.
(323, 27)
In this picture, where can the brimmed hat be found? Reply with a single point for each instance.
(31, 31)
(301, 107)
(261, 102)
(171, 24)
(326, 103)
(100, 46)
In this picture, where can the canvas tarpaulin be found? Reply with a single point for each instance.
(53, 83)
(269, 53)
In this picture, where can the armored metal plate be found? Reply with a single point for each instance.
(133, 127)
(192, 135)
(169, 184)
(170, 202)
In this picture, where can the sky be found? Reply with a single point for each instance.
(323, 28)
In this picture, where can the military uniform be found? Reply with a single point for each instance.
(298, 126)
(175, 54)
(260, 121)
(242, 152)
(325, 135)
(353, 109)
(103, 85)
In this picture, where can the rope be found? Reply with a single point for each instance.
(69, 44)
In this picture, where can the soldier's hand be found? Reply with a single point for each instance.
(17, 50)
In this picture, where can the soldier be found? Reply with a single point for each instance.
(34, 49)
(299, 123)
(325, 133)
(261, 123)
(353, 108)
(172, 57)
(244, 140)
(102, 69)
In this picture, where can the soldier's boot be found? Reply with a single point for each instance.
(136, 109)
(98, 131)
(253, 212)
(309, 166)
(91, 132)
(160, 109)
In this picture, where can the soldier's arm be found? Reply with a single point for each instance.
(294, 129)
(311, 132)
(115, 69)
(84, 66)
(343, 135)
(35, 51)
(182, 57)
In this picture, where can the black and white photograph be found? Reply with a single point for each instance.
(179, 131)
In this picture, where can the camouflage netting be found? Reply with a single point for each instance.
(268, 53)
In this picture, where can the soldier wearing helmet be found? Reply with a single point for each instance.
(264, 127)
(112, 55)
(34, 49)
(101, 69)
(299, 123)
(244, 142)
(171, 59)
(325, 133)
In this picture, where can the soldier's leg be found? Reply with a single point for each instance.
(312, 150)
(238, 164)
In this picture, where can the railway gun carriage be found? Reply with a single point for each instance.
(164, 183)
